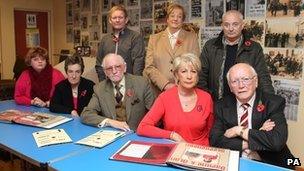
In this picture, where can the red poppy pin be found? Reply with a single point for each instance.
(178, 42)
(261, 106)
(248, 43)
(130, 93)
(115, 39)
(199, 108)
(83, 93)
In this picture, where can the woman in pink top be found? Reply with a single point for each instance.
(186, 112)
(36, 84)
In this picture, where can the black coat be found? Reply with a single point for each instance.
(212, 59)
(62, 100)
(270, 145)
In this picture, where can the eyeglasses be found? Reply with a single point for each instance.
(234, 25)
(116, 67)
(244, 80)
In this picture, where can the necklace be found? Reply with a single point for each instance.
(75, 92)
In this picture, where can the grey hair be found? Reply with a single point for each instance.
(248, 65)
(187, 57)
(235, 12)
(112, 54)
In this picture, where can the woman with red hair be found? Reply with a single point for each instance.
(36, 84)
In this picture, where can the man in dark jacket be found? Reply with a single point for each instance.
(251, 121)
(231, 47)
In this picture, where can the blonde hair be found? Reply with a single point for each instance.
(118, 8)
(171, 7)
(187, 58)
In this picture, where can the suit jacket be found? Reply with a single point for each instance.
(62, 100)
(130, 46)
(139, 98)
(160, 55)
(270, 145)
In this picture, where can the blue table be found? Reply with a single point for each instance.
(18, 139)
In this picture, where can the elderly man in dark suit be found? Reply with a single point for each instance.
(121, 100)
(251, 121)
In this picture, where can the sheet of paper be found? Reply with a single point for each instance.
(49, 137)
(101, 138)
(233, 161)
(135, 150)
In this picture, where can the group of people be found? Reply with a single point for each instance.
(222, 97)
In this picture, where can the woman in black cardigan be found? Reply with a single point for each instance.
(74, 93)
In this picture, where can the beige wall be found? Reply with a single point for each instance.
(7, 29)
(58, 41)
(60, 29)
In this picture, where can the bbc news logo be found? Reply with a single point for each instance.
(293, 162)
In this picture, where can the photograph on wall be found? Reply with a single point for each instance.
(192, 27)
(209, 33)
(146, 30)
(284, 63)
(255, 8)
(32, 37)
(84, 36)
(76, 4)
(69, 34)
(85, 5)
(196, 8)
(286, 32)
(95, 33)
(146, 9)
(84, 21)
(186, 5)
(95, 6)
(284, 8)
(76, 37)
(255, 30)
(238, 5)
(94, 48)
(160, 12)
(159, 27)
(105, 4)
(214, 10)
(31, 21)
(104, 23)
(76, 18)
(94, 20)
(133, 17)
(290, 90)
(132, 2)
(116, 2)
(69, 13)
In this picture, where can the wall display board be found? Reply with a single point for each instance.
(278, 25)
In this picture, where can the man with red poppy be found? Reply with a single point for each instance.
(251, 121)
(230, 47)
(123, 41)
(120, 101)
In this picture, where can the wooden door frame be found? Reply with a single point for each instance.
(50, 47)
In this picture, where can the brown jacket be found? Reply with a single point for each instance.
(160, 55)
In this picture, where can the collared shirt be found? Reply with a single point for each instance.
(122, 90)
(173, 37)
(240, 111)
